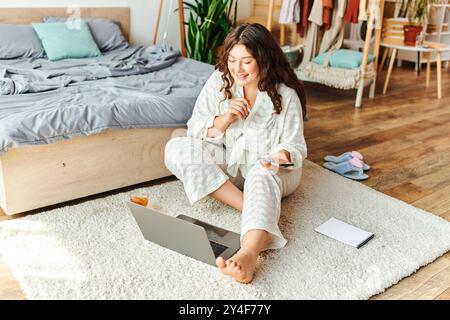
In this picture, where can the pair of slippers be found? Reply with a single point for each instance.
(348, 164)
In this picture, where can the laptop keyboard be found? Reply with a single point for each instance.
(217, 248)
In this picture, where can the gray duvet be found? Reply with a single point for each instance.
(43, 101)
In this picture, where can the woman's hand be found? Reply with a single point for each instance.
(273, 163)
(281, 156)
(238, 108)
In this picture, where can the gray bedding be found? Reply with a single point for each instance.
(43, 101)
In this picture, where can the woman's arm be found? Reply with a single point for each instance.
(220, 124)
(206, 122)
(237, 108)
(282, 155)
(206, 111)
(292, 146)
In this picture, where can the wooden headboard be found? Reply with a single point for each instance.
(30, 15)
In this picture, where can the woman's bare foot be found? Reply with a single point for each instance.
(241, 266)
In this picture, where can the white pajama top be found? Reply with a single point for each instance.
(262, 133)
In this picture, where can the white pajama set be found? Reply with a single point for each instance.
(204, 164)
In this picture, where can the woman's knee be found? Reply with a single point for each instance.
(174, 149)
(287, 180)
(174, 144)
(181, 150)
(259, 174)
(291, 182)
(258, 170)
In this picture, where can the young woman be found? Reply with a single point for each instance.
(247, 120)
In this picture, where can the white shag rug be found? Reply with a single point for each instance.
(94, 250)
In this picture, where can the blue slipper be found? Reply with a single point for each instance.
(351, 169)
(346, 156)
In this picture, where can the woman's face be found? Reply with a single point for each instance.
(242, 66)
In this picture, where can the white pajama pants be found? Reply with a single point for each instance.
(200, 166)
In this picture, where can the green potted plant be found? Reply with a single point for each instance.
(209, 24)
(417, 12)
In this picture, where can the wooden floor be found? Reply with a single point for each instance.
(404, 136)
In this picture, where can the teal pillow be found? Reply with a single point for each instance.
(343, 58)
(63, 41)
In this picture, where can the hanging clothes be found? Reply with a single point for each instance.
(334, 37)
(305, 10)
(290, 12)
(326, 15)
(362, 16)
(312, 36)
(351, 14)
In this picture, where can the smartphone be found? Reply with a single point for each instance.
(288, 164)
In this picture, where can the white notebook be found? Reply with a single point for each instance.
(344, 232)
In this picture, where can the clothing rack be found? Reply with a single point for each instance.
(366, 72)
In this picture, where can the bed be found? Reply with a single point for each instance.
(76, 163)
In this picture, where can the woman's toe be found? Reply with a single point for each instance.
(220, 262)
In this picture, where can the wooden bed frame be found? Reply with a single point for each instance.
(41, 175)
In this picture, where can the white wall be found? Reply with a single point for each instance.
(143, 15)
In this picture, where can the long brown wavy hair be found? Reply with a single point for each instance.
(274, 67)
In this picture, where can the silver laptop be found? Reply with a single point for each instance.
(186, 235)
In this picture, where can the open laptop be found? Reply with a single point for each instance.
(186, 235)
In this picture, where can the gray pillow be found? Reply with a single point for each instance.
(19, 41)
(106, 32)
